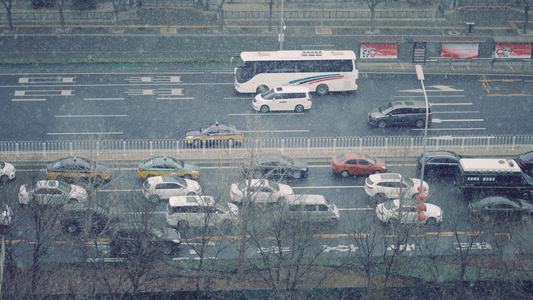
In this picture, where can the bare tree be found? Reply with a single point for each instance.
(8, 4)
(527, 7)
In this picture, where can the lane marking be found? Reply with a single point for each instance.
(88, 116)
(83, 133)
(456, 120)
(432, 96)
(509, 95)
(28, 100)
(435, 129)
(180, 98)
(267, 114)
(238, 98)
(355, 209)
(276, 131)
(456, 112)
(329, 187)
(103, 99)
(444, 104)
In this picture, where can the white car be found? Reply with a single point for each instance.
(200, 211)
(393, 185)
(164, 187)
(295, 98)
(52, 192)
(312, 209)
(261, 191)
(391, 212)
(7, 171)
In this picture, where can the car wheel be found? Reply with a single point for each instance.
(382, 124)
(97, 180)
(154, 198)
(264, 109)
(257, 174)
(4, 179)
(332, 222)
(420, 123)
(282, 201)
(380, 198)
(72, 200)
(486, 218)
(226, 225)
(322, 89)
(431, 222)
(71, 227)
(345, 173)
(60, 178)
(297, 175)
(526, 195)
(299, 108)
(393, 222)
(261, 89)
(187, 176)
(183, 224)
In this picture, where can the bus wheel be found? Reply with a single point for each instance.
(261, 89)
(264, 109)
(322, 89)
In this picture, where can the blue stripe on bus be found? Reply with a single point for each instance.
(312, 79)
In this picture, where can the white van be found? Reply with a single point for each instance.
(195, 210)
(295, 98)
(312, 209)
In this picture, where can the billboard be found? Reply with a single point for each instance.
(512, 51)
(459, 50)
(379, 51)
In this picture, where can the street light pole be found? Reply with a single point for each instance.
(281, 28)
(420, 75)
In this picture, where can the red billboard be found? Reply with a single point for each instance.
(512, 51)
(459, 50)
(379, 51)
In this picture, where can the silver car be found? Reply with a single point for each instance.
(51, 192)
(164, 187)
(261, 191)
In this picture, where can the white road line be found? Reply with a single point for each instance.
(180, 98)
(432, 96)
(103, 99)
(277, 131)
(461, 120)
(466, 128)
(238, 98)
(455, 104)
(88, 116)
(269, 114)
(122, 191)
(456, 112)
(83, 133)
(27, 100)
(362, 208)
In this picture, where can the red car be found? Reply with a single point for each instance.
(357, 164)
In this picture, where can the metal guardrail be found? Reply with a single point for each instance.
(330, 14)
(44, 148)
(54, 16)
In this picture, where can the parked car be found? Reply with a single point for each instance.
(356, 163)
(200, 211)
(7, 172)
(131, 239)
(51, 192)
(76, 168)
(276, 165)
(525, 161)
(400, 113)
(166, 165)
(439, 162)
(500, 208)
(261, 191)
(393, 185)
(404, 212)
(75, 217)
(214, 132)
(294, 98)
(164, 187)
(311, 209)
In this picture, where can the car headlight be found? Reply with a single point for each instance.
(176, 241)
(189, 137)
(195, 172)
(384, 168)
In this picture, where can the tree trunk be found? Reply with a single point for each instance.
(527, 6)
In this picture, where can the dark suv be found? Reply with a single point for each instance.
(131, 239)
(439, 162)
(400, 113)
(75, 217)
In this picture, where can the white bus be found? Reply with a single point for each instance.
(319, 70)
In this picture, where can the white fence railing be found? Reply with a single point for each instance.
(365, 143)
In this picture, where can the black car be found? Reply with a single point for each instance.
(439, 162)
(525, 161)
(75, 217)
(275, 165)
(129, 239)
(407, 113)
(501, 208)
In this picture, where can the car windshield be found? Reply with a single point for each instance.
(408, 181)
(390, 205)
(287, 160)
(341, 158)
(528, 178)
(384, 108)
(370, 159)
(222, 206)
(2, 164)
(274, 185)
(64, 187)
(268, 95)
(148, 163)
(205, 129)
(180, 181)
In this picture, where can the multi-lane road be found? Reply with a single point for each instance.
(165, 105)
